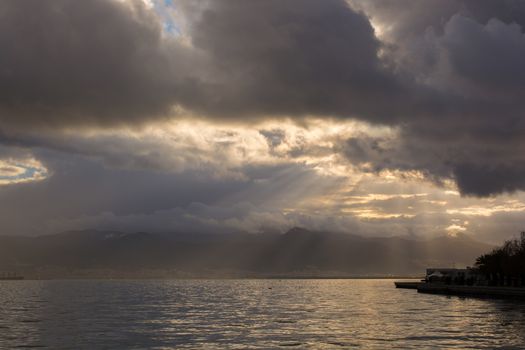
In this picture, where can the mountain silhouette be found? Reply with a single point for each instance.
(298, 252)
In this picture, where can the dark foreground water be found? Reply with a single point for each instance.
(249, 314)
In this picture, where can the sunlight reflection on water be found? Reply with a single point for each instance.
(249, 314)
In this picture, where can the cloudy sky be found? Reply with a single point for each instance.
(375, 117)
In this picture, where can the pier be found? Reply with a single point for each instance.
(460, 282)
(475, 291)
(408, 285)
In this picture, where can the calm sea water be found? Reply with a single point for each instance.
(249, 314)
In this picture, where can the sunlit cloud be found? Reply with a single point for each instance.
(16, 171)
(372, 214)
(207, 106)
(454, 229)
(490, 209)
(290, 174)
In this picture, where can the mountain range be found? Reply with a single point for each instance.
(296, 253)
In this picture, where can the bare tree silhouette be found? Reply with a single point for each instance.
(505, 266)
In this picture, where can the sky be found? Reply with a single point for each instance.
(376, 117)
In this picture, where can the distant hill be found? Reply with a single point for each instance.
(298, 252)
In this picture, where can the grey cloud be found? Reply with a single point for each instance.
(497, 228)
(7, 152)
(80, 188)
(375, 154)
(481, 145)
(82, 62)
(470, 53)
(87, 193)
(487, 179)
(248, 58)
(470, 44)
(193, 218)
(508, 11)
(119, 151)
(480, 164)
(292, 58)
(409, 18)
(108, 62)
(84, 191)
(273, 137)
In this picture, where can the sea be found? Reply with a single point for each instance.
(250, 314)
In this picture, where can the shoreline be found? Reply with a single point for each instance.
(155, 278)
(473, 291)
(465, 291)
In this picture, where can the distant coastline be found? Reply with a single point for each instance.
(298, 253)
(120, 276)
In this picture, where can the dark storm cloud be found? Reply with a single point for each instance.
(470, 54)
(67, 62)
(449, 74)
(485, 179)
(406, 18)
(105, 62)
(375, 154)
(470, 43)
(482, 162)
(292, 57)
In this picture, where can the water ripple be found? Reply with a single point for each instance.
(249, 314)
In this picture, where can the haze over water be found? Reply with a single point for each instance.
(249, 314)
